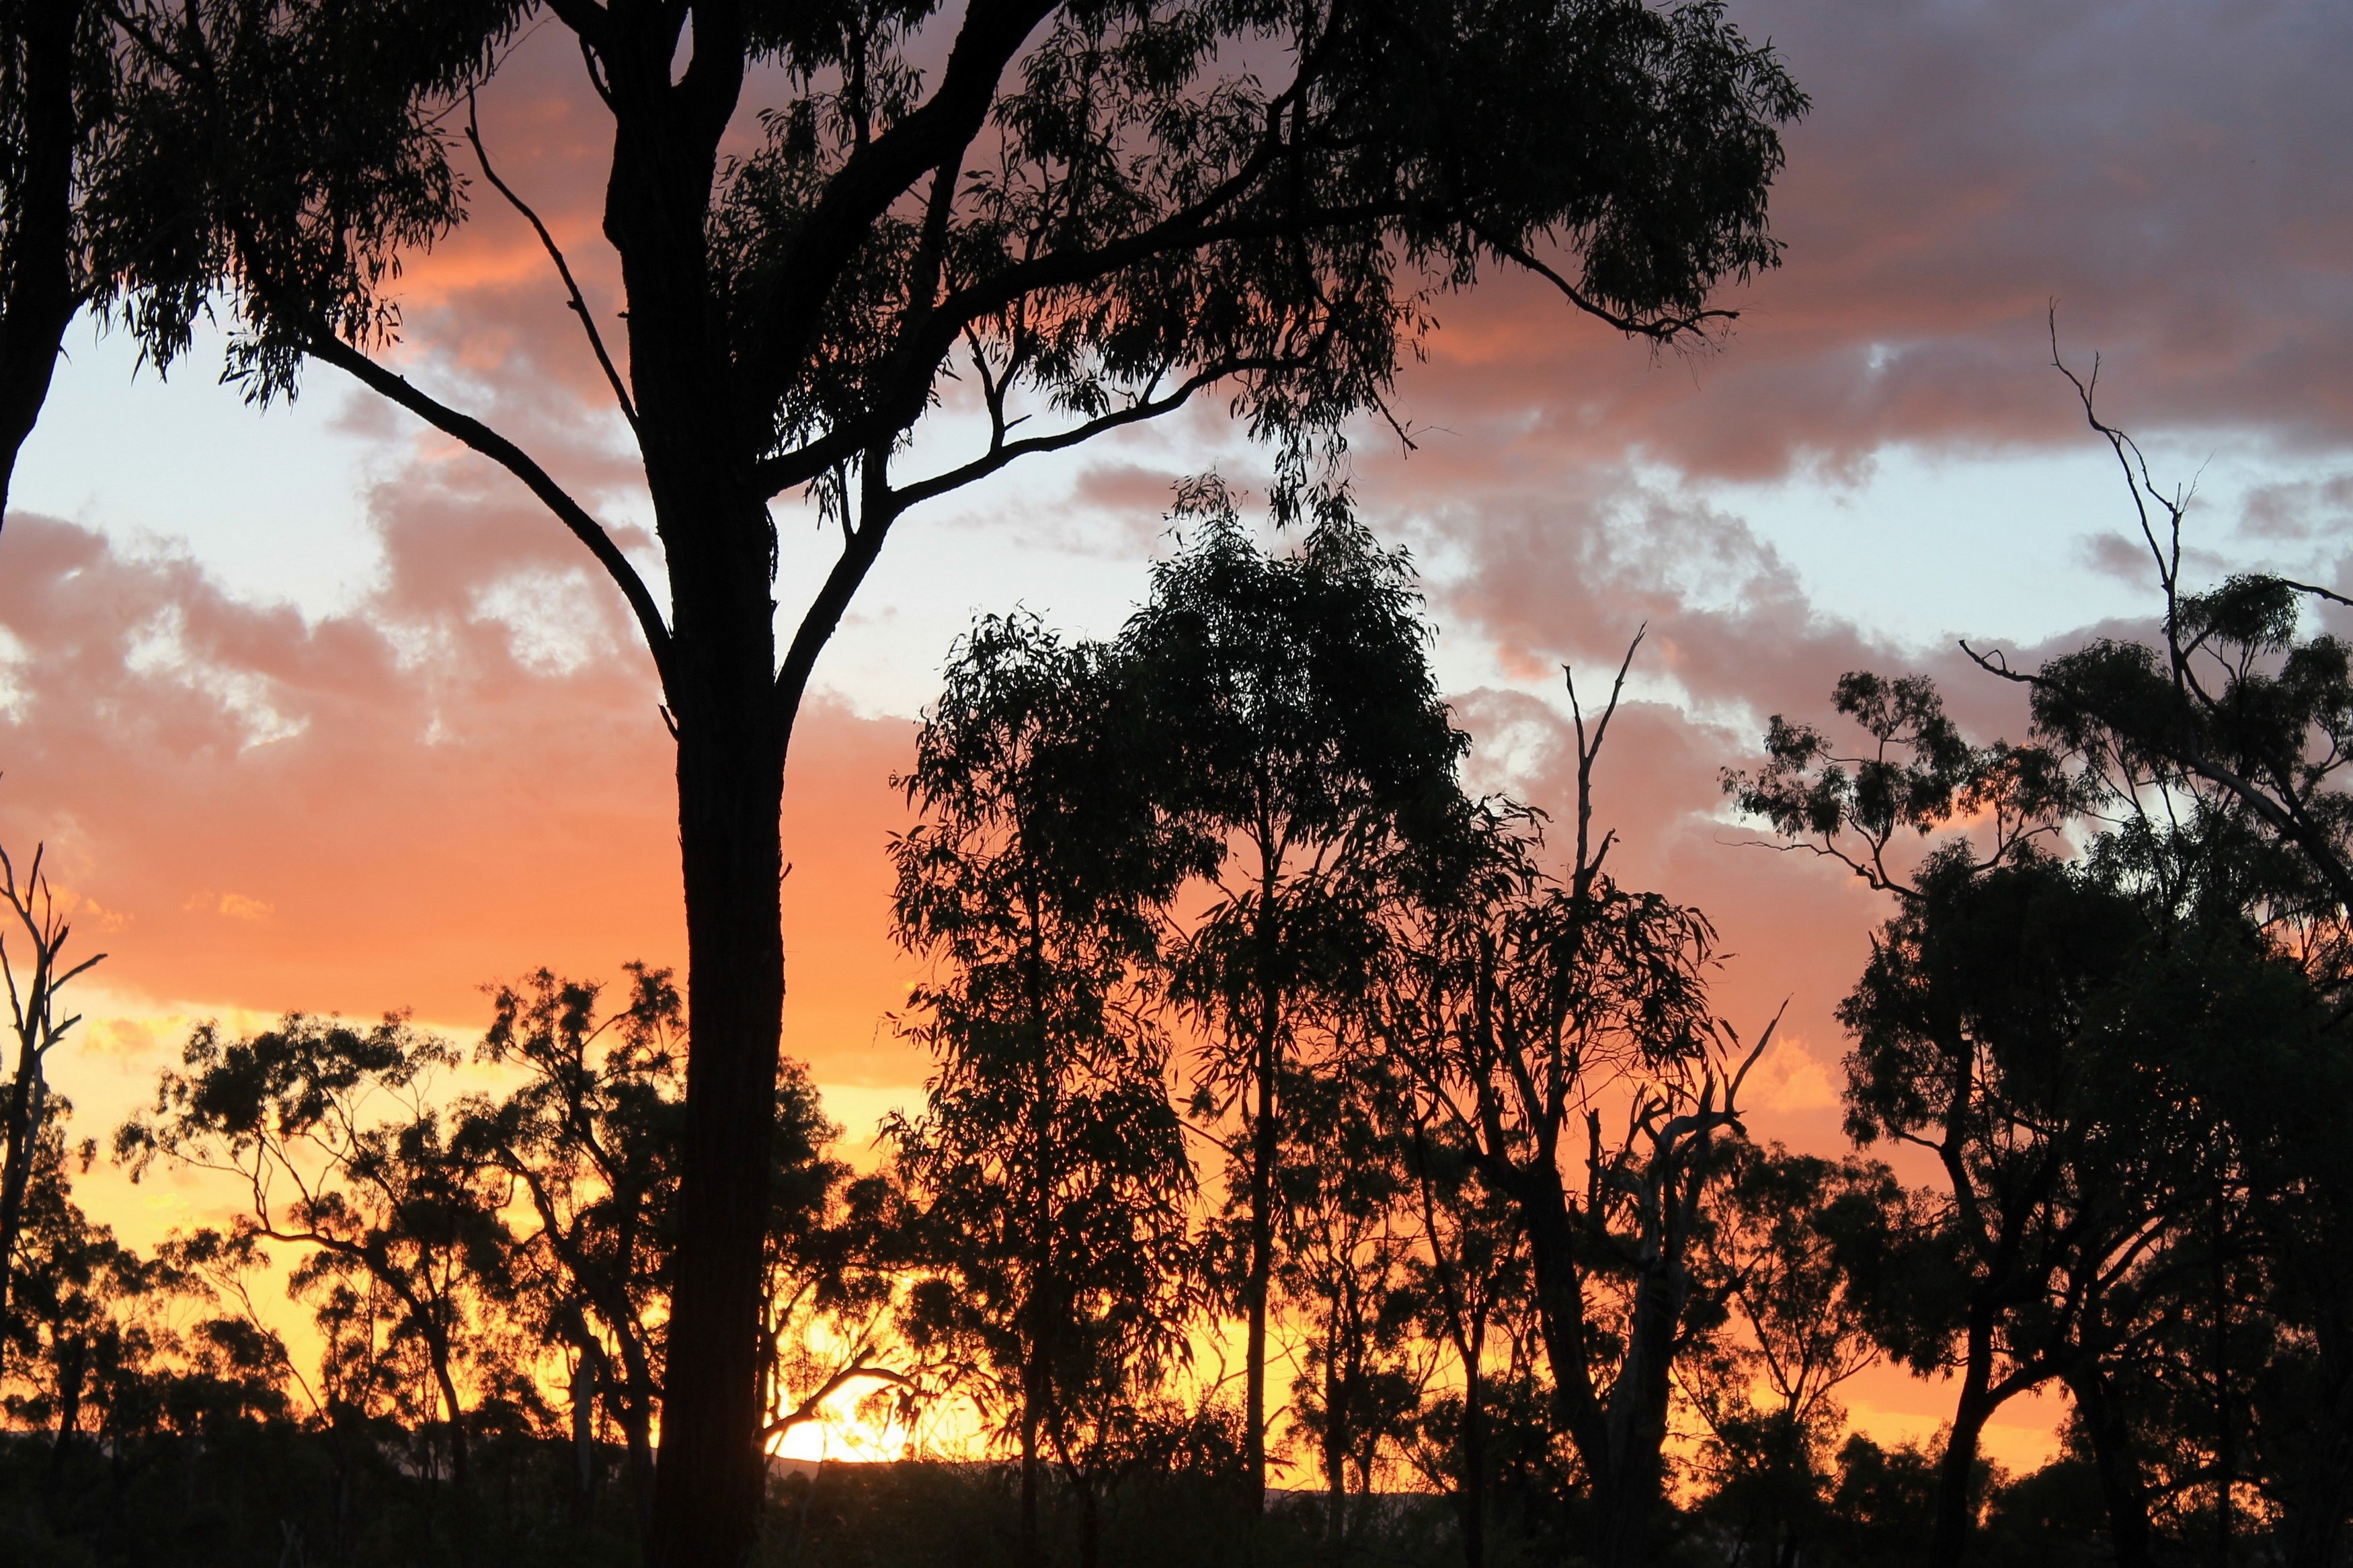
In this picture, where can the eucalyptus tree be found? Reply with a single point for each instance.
(1299, 730)
(1559, 1027)
(1467, 1277)
(2232, 700)
(58, 67)
(1795, 1331)
(590, 1138)
(2222, 738)
(63, 1328)
(1051, 1156)
(332, 1133)
(2001, 1026)
(1344, 1273)
(36, 975)
(1064, 218)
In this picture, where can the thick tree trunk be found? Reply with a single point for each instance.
(583, 1442)
(1637, 1421)
(720, 680)
(708, 1478)
(1954, 1520)
(37, 285)
(2119, 1468)
(460, 1471)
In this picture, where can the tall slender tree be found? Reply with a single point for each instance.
(591, 1140)
(1050, 1155)
(1343, 1273)
(1303, 733)
(1071, 216)
(1767, 1387)
(1471, 1283)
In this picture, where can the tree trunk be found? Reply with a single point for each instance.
(583, 1441)
(2119, 1468)
(1629, 1490)
(637, 1424)
(732, 729)
(708, 1477)
(72, 1361)
(461, 1472)
(1335, 1441)
(37, 285)
(1472, 1501)
(1263, 1152)
(1028, 1544)
(27, 1097)
(1954, 1520)
(1623, 1502)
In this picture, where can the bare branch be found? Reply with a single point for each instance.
(563, 269)
(473, 433)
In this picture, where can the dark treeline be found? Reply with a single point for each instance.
(1320, 1164)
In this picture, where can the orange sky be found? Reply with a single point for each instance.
(315, 712)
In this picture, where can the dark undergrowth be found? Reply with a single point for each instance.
(279, 1495)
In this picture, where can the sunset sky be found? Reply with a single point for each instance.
(316, 711)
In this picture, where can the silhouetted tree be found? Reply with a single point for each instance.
(1469, 1281)
(1995, 1029)
(65, 1334)
(1089, 212)
(1794, 1333)
(1052, 1161)
(1299, 728)
(35, 976)
(1529, 1008)
(2223, 740)
(591, 1137)
(389, 1205)
(58, 64)
(1348, 1238)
